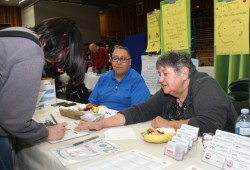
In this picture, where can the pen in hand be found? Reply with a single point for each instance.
(53, 118)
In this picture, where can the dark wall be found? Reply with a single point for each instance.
(131, 19)
(117, 23)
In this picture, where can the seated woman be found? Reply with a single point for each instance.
(121, 87)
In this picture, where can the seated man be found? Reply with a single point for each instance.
(186, 97)
(121, 87)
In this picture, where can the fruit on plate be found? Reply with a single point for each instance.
(90, 107)
(82, 107)
(158, 135)
(95, 109)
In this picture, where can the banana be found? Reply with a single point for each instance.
(94, 109)
(158, 136)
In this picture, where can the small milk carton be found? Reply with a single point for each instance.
(47, 92)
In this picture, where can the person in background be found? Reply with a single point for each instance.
(186, 97)
(99, 58)
(109, 59)
(121, 87)
(20, 78)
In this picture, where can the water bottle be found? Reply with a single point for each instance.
(242, 126)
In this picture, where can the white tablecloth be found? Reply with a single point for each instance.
(39, 157)
(90, 80)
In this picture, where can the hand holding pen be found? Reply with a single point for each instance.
(57, 131)
(54, 119)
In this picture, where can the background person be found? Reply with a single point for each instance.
(121, 87)
(186, 97)
(20, 78)
(99, 58)
(108, 66)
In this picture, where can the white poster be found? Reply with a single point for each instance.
(150, 73)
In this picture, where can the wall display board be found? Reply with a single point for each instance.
(149, 72)
(153, 24)
(232, 27)
(175, 25)
(231, 32)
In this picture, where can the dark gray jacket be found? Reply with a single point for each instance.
(21, 64)
(207, 106)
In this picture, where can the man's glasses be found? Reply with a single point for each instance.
(122, 59)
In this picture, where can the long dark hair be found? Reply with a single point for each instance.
(61, 36)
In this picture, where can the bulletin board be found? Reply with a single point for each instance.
(232, 27)
(153, 26)
(150, 73)
(175, 25)
(231, 34)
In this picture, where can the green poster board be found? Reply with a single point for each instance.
(175, 25)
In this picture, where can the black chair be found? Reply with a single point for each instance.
(239, 90)
(240, 105)
(240, 94)
(77, 93)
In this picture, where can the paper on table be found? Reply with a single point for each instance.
(69, 134)
(126, 161)
(120, 134)
(107, 112)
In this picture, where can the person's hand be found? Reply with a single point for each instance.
(88, 125)
(60, 70)
(90, 106)
(57, 132)
(160, 122)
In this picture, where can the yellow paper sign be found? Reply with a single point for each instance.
(175, 26)
(232, 27)
(153, 33)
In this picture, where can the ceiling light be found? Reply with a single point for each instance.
(21, 1)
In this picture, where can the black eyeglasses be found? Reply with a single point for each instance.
(122, 59)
